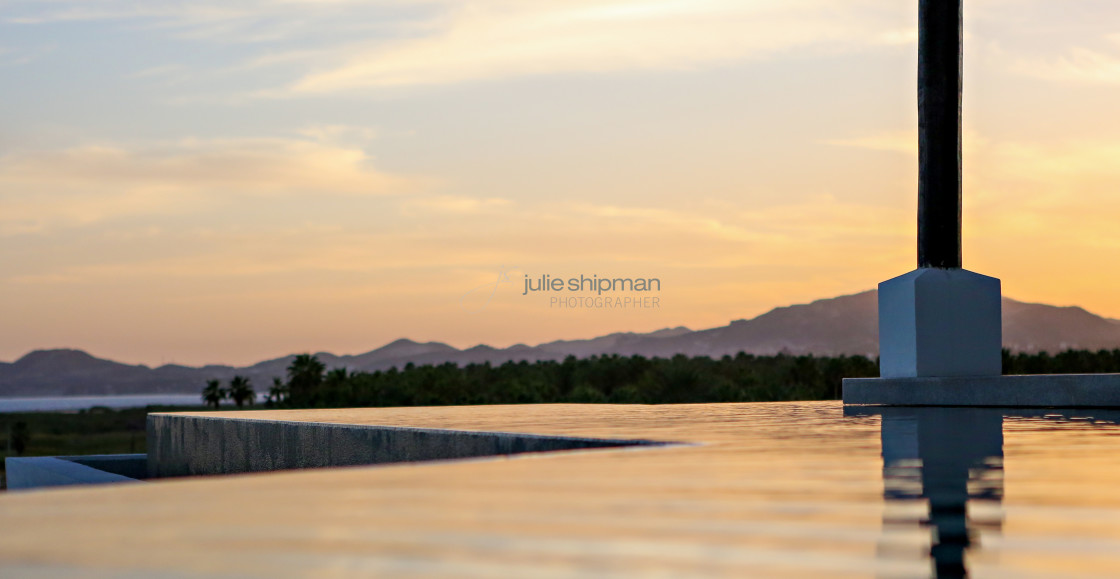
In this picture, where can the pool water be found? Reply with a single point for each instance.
(808, 489)
(948, 472)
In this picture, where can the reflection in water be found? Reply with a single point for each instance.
(950, 459)
(943, 474)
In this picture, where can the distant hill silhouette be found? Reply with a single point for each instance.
(841, 325)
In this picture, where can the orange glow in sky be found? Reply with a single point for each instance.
(223, 182)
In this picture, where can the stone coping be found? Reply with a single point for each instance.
(1016, 391)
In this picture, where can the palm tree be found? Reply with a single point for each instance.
(277, 393)
(240, 391)
(337, 376)
(336, 388)
(305, 374)
(213, 393)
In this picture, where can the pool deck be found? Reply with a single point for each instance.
(761, 490)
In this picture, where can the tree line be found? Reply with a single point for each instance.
(607, 378)
(1066, 362)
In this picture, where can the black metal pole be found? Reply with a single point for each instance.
(940, 41)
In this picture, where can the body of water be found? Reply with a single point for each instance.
(53, 403)
(788, 489)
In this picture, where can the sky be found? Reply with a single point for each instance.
(204, 181)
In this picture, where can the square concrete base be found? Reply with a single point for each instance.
(940, 322)
(1034, 391)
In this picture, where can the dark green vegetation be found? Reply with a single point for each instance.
(95, 431)
(617, 379)
(1067, 362)
(239, 391)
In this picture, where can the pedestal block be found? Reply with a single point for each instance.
(940, 322)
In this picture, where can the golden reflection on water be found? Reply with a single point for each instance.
(806, 489)
(944, 478)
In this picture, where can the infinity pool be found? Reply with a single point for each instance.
(751, 490)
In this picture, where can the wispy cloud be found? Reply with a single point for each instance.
(810, 231)
(13, 56)
(161, 71)
(1078, 64)
(225, 21)
(338, 134)
(500, 39)
(433, 42)
(92, 10)
(897, 142)
(457, 204)
(88, 184)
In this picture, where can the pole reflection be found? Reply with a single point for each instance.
(940, 465)
(943, 475)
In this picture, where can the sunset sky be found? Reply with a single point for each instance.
(201, 181)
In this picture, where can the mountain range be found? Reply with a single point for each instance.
(841, 325)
